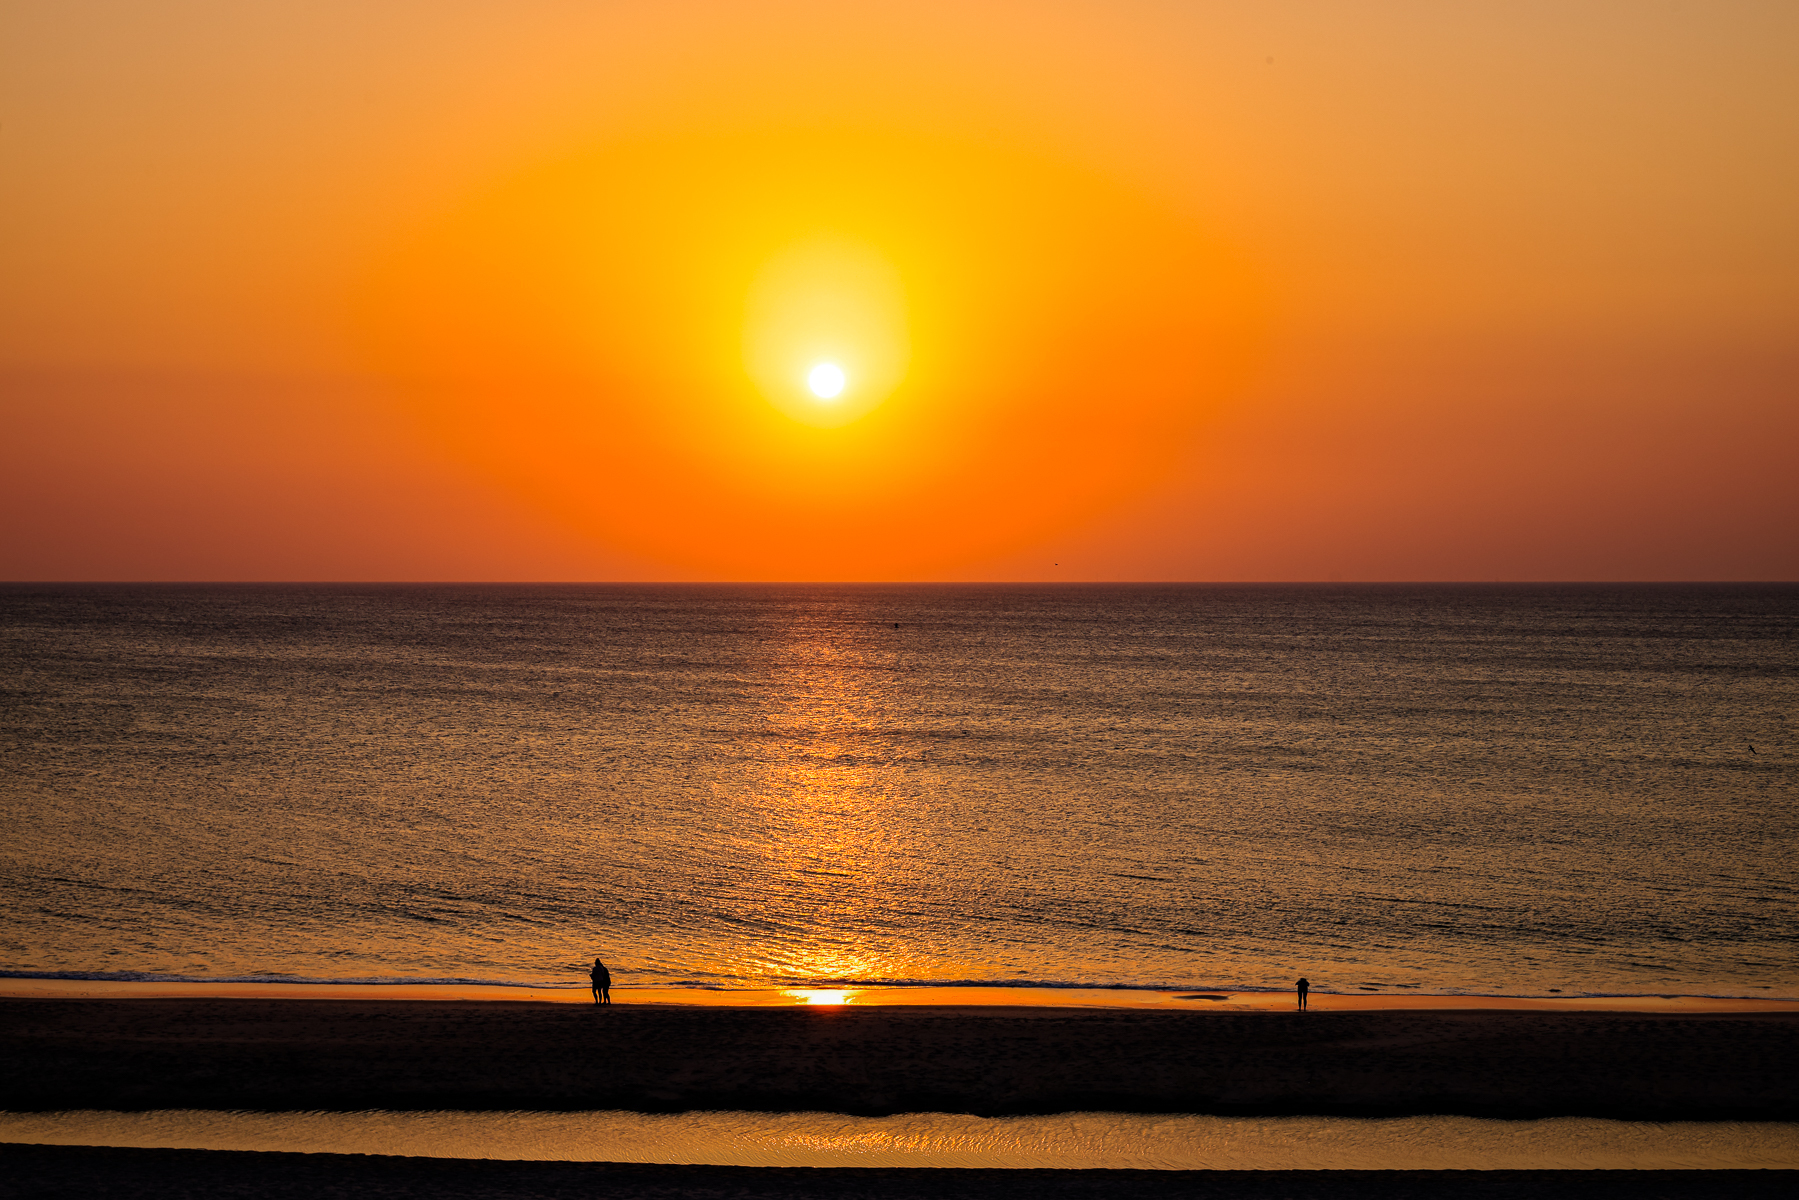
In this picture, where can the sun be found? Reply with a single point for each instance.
(826, 381)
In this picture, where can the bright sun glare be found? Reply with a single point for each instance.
(826, 381)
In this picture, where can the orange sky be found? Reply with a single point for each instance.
(1121, 291)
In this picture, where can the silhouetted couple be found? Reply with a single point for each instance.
(1302, 987)
(602, 983)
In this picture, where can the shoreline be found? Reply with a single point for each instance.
(357, 1055)
(1117, 999)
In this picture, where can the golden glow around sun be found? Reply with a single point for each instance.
(821, 313)
(631, 337)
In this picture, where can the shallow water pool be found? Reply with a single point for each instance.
(1067, 1140)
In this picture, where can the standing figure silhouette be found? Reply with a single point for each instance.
(602, 983)
(1302, 987)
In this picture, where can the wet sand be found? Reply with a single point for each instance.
(283, 1055)
(227, 1175)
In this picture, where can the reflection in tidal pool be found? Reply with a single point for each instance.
(1067, 1140)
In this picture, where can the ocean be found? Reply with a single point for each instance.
(1506, 789)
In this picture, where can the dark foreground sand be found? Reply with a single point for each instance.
(81, 1174)
(290, 1055)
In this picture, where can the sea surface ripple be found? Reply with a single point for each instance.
(1492, 789)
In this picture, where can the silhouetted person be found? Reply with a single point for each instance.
(602, 983)
(1302, 987)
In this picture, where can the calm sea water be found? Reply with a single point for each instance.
(1459, 789)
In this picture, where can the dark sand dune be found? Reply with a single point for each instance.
(289, 1055)
(80, 1173)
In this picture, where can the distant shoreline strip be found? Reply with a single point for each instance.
(1209, 989)
(19, 985)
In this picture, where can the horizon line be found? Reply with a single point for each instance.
(895, 582)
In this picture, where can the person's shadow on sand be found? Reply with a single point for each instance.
(602, 983)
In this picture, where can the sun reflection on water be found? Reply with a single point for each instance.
(833, 996)
(828, 802)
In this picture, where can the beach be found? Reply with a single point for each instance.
(1380, 1057)
(286, 1055)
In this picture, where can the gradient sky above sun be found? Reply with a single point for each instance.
(545, 290)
